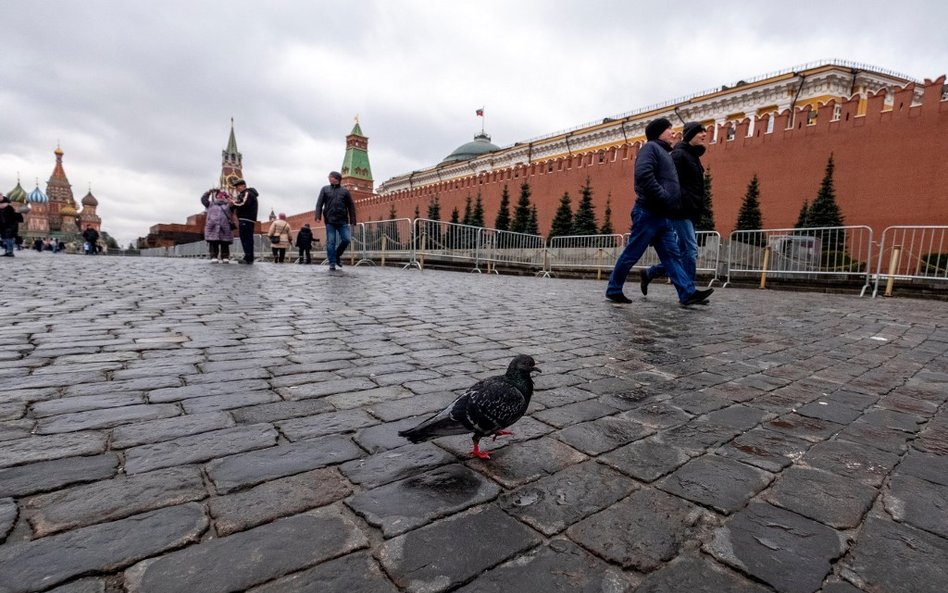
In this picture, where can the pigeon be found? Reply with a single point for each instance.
(485, 409)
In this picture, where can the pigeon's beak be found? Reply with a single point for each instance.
(535, 370)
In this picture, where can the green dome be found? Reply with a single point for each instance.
(481, 145)
(17, 194)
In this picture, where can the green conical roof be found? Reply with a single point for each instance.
(356, 162)
(18, 194)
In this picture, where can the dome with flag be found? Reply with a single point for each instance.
(480, 146)
(37, 196)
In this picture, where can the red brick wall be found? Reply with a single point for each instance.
(891, 168)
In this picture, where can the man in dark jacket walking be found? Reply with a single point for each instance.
(658, 195)
(687, 159)
(246, 211)
(335, 205)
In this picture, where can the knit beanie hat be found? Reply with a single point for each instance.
(691, 130)
(656, 127)
(336, 175)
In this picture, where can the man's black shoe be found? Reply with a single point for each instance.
(618, 297)
(644, 280)
(698, 296)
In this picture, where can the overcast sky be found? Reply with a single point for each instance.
(139, 94)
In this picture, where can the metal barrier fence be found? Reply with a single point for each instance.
(844, 251)
(584, 252)
(509, 249)
(912, 253)
(387, 239)
(445, 242)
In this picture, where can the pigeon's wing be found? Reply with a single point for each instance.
(494, 404)
(449, 421)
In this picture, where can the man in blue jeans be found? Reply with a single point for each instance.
(687, 158)
(336, 206)
(246, 210)
(658, 195)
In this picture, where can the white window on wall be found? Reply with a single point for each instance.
(837, 112)
(770, 123)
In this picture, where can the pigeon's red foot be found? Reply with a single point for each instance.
(502, 433)
(478, 453)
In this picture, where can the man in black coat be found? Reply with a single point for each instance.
(10, 220)
(336, 206)
(687, 158)
(91, 238)
(246, 211)
(658, 197)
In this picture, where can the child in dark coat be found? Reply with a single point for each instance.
(304, 242)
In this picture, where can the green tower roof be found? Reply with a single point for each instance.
(232, 141)
(356, 162)
(17, 194)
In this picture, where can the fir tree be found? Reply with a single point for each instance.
(706, 222)
(433, 228)
(606, 228)
(390, 229)
(749, 217)
(824, 212)
(477, 217)
(584, 222)
(533, 224)
(521, 218)
(803, 218)
(563, 219)
(502, 222)
(453, 231)
(468, 211)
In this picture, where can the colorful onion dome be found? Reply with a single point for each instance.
(17, 194)
(38, 196)
(89, 200)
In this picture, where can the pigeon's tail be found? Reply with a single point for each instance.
(432, 429)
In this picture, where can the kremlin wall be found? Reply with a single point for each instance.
(887, 132)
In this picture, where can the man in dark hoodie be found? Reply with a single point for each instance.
(246, 210)
(687, 158)
(658, 196)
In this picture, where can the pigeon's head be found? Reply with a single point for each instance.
(523, 363)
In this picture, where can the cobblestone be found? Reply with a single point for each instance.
(181, 427)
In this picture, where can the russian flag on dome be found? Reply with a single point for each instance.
(480, 112)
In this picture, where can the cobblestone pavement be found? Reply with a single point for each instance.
(170, 425)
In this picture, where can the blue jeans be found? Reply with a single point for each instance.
(246, 238)
(648, 229)
(687, 246)
(8, 245)
(337, 232)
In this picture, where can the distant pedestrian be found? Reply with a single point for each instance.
(246, 203)
(280, 238)
(304, 243)
(658, 194)
(687, 158)
(336, 206)
(90, 236)
(218, 224)
(10, 220)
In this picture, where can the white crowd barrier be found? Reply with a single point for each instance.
(840, 252)
(912, 253)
